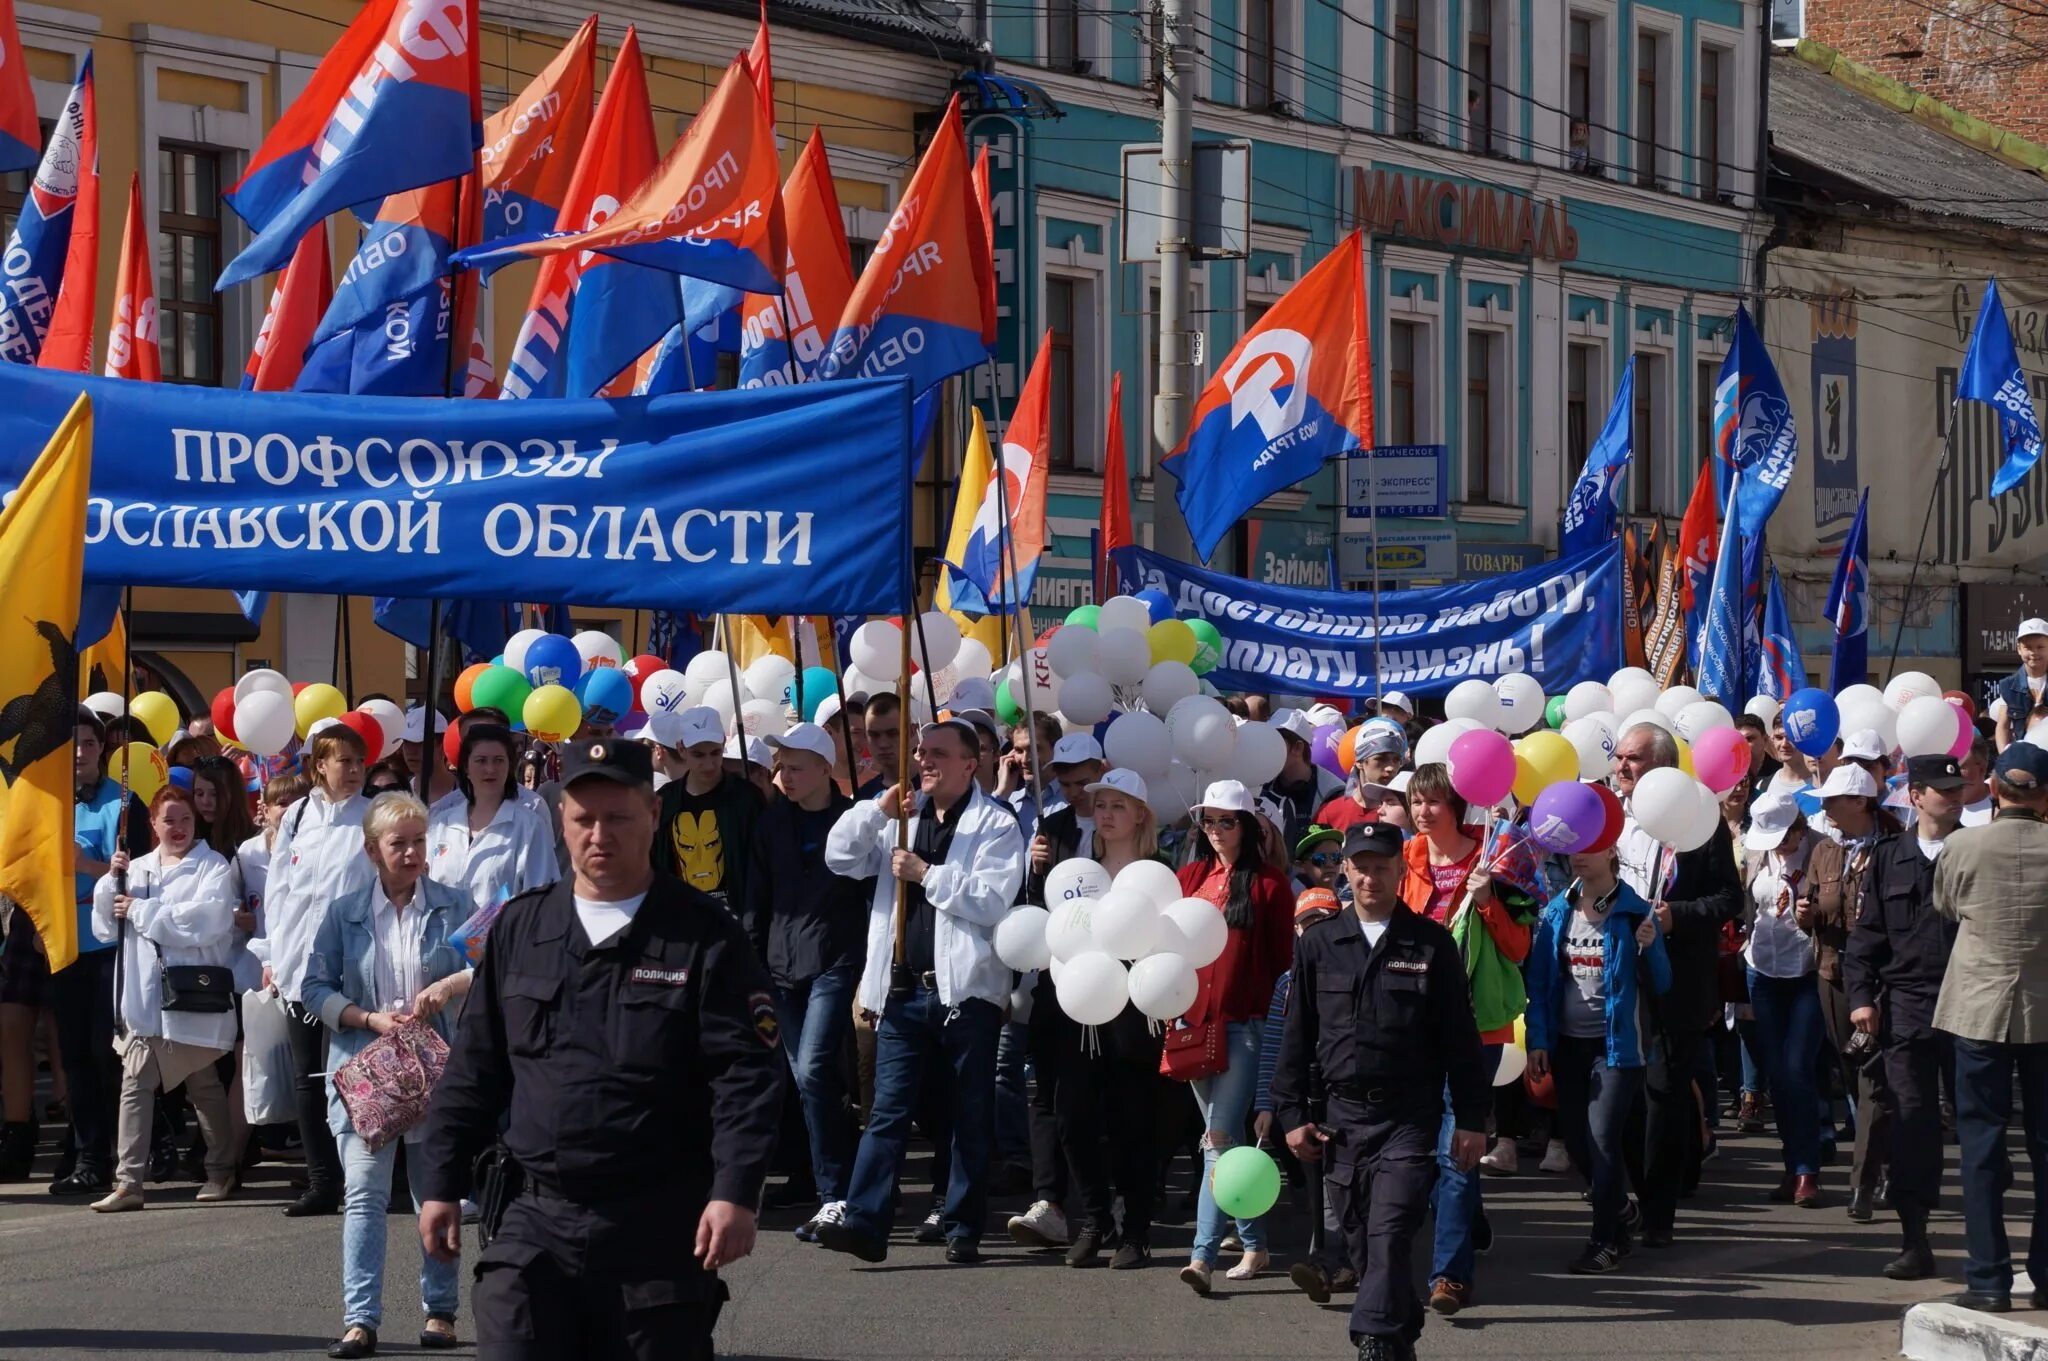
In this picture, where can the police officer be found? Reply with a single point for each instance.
(623, 1031)
(1380, 1005)
(1892, 969)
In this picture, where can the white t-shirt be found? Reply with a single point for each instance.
(1978, 813)
(1931, 848)
(603, 921)
(1373, 931)
(396, 964)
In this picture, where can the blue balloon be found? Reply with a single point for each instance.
(553, 660)
(606, 694)
(1811, 720)
(819, 681)
(181, 776)
(1159, 603)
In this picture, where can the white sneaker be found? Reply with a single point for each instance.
(1503, 1160)
(1555, 1159)
(1044, 1225)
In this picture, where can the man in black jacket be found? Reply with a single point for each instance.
(1695, 892)
(707, 816)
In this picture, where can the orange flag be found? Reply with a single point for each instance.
(131, 339)
(1116, 492)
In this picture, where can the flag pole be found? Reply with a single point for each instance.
(995, 398)
(732, 672)
(121, 822)
(903, 790)
(1372, 501)
(1948, 442)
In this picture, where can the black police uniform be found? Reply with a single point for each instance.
(1386, 1024)
(635, 1081)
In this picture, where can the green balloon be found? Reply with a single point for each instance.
(1208, 646)
(1247, 1182)
(1553, 712)
(1007, 708)
(503, 689)
(1085, 616)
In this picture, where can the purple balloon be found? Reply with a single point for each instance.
(1323, 751)
(1566, 818)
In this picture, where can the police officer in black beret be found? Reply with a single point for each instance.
(1380, 1004)
(623, 1032)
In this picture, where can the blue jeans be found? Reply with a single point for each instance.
(1013, 1104)
(914, 1031)
(1593, 1105)
(817, 1017)
(1788, 1030)
(1226, 1102)
(1455, 1198)
(366, 1181)
(1984, 1100)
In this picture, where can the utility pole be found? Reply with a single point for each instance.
(1176, 252)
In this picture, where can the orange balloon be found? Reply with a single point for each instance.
(463, 683)
(1347, 750)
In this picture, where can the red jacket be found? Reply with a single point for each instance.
(1239, 985)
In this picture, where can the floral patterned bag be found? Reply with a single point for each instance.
(386, 1087)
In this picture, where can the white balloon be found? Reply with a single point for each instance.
(1665, 806)
(1074, 879)
(719, 695)
(1150, 880)
(1086, 698)
(1163, 986)
(1259, 753)
(107, 704)
(1710, 815)
(1521, 701)
(1072, 650)
(1762, 706)
(1167, 684)
(1632, 688)
(1020, 939)
(1124, 655)
(1475, 700)
(1123, 612)
(768, 677)
(1208, 741)
(1034, 674)
(708, 666)
(1138, 741)
(1070, 929)
(597, 649)
(1854, 694)
(1908, 686)
(1928, 726)
(264, 722)
(972, 661)
(877, 649)
(856, 682)
(1867, 709)
(261, 679)
(1200, 928)
(1125, 924)
(1170, 793)
(1655, 718)
(515, 649)
(1434, 746)
(1513, 1059)
(1701, 717)
(390, 718)
(936, 641)
(1593, 740)
(1676, 699)
(1093, 988)
(665, 692)
(763, 718)
(1587, 697)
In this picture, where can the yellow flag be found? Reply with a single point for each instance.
(750, 637)
(42, 557)
(976, 467)
(109, 656)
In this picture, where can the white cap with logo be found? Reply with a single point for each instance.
(805, 737)
(1122, 781)
(1076, 748)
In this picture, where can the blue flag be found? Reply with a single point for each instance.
(1753, 430)
(1992, 375)
(1848, 607)
(1589, 517)
(1775, 666)
(1721, 634)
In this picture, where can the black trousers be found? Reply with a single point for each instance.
(1103, 1106)
(309, 1056)
(82, 998)
(1865, 1084)
(1052, 1038)
(565, 1281)
(1912, 1092)
(1380, 1168)
(1671, 1127)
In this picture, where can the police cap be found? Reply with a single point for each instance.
(1372, 838)
(618, 759)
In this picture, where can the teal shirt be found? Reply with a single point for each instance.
(97, 822)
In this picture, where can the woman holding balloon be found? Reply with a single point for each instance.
(490, 843)
(1782, 984)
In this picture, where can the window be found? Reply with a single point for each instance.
(1261, 78)
(1407, 67)
(188, 222)
(1486, 463)
(1063, 35)
(1479, 78)
(1402, 344)
(14, 190)
(1711, 62)
(1648, 468)
(1579, 365)
(1059, 320)
(1705, 381)
(1585, 91)
(1649, 121)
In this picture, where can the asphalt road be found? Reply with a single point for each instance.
(1746, 1279)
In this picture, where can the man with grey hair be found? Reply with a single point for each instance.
(1693, 893)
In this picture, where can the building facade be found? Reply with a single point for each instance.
(1985, 58)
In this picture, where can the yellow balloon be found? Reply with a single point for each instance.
(316, 702)
(1173, 641)
(1684, 754)
(552, 713)
(145, 768)
(1529, 781)
(1521, 1033)
(1552, 755)
(157, 712)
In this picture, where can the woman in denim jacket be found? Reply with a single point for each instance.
(381, 956)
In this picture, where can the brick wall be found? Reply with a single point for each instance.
(1986, 58)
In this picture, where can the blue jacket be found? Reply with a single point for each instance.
(96, 821)
(2019, 700)
(1627, 1046)
(339, 968)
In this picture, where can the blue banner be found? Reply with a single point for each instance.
(787, 500)
(1559, 622)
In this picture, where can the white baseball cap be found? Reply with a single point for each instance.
(1848, 778)
(1395, 699)
(416, 723)
(1127, 782)
(1770, 817)
(973, 693)
(805, 737)
(1863, 745)
(757, 751)
(1295, 723)
(690, 728)
(1227, 796)
(1076, 748)
(1323, 715)
(2030, 628)
(1398, 786)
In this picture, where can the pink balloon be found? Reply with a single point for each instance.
(1966, 734)
(1720, 758)
(1482, 766)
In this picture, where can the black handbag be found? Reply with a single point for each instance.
(205, 988)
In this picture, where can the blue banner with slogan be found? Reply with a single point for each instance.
(782, 500)
(1559, 622)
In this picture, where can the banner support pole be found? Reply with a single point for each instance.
(1948, 441)
(430, 707)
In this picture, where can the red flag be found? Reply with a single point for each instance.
(21, 135)
(303, 291)
(816, 282)
(1116, 491)
(68, 344)
(531, 145)
(1024, 467)
(763, 68)
(1699, 536)
(131, 338)
(985, 276)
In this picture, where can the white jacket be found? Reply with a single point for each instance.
(972, 891)
(515, 853)
(317, 858)
(187, 912)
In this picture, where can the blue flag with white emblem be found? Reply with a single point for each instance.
(1753, 430)
(1589, 516)
(1722, 672)
(1775, 667)
(1992, 375)
(1848, 607)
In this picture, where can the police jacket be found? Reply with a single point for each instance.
(1899, 945)
(802, 918)
(650, 1066)
(1385, 1024)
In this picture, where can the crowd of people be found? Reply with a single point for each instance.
(1854, 960)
